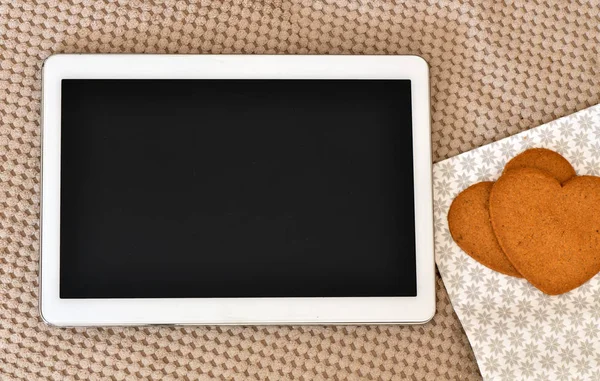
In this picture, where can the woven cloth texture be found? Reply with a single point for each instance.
(496, 68)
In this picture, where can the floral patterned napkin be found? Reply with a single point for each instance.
(517, 332)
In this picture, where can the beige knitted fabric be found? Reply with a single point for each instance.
(497, 67)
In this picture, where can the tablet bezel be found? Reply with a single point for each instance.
(347, 310)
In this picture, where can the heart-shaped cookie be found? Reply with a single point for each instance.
(469, 218)
(550, 233)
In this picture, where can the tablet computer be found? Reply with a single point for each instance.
(203, 189)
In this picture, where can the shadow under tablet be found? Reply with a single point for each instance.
(236, 188)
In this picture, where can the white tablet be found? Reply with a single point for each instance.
(202, 189)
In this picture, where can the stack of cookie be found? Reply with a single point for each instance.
(539, 221)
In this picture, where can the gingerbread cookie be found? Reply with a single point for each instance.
(549, 232)
(469, 223)
(469, 219)
(544, 159)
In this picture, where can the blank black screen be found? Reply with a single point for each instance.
(236, 188)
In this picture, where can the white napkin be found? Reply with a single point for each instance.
(516, 331)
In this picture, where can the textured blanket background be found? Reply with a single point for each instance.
(497, 67)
